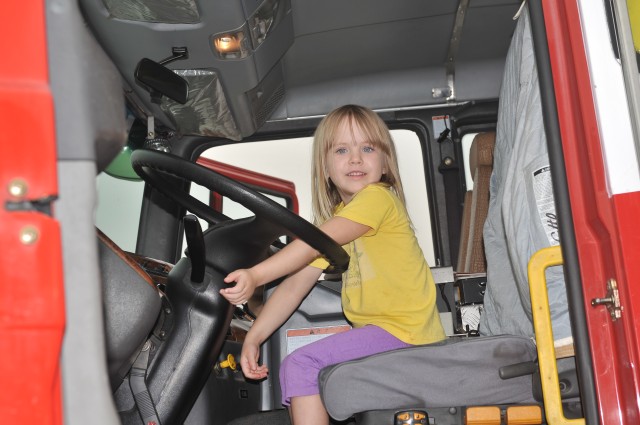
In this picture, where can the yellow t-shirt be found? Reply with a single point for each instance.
(388, 282)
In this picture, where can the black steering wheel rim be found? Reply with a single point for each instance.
(151, 165)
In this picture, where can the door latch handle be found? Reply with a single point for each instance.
(611, 301)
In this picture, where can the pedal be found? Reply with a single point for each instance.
(411, 417)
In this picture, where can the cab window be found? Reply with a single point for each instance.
(290, 160)
(119, 201)
(118, 212)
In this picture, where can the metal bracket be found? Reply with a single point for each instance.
(450, 66)
(612, 300)
(177, 53)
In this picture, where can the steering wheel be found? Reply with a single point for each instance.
(152, 165)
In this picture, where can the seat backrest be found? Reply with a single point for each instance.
(471, 258)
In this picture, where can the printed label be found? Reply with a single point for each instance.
(297, 338)
(543, 191)
(440, 124)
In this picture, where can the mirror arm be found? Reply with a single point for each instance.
(178, 53)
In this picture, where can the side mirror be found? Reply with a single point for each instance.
(160, 80)
(120, 167)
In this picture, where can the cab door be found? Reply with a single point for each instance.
(32, 316)
(590, 116)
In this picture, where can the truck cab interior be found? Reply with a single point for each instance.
(189, 105)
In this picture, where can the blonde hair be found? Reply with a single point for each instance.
(325, 196)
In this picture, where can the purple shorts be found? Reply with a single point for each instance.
(299, 370)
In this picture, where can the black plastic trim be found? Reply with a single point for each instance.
(42, 205)
(575, 295)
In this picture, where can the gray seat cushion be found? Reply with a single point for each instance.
(455, 372)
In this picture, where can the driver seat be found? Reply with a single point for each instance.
(465, 371)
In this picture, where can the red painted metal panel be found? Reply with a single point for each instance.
(28, 137)
(601, 223)
(274, 184)
(31, 320)
(627, 212)
(23, 42)
(31, 284)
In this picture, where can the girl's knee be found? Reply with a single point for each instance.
(299, 362)
(291, 364)
(298, 375)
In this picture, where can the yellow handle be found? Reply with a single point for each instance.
(539, 262)
(230, 363)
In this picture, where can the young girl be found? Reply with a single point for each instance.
(388, 293)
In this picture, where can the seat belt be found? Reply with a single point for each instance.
(450, 171)
(138, 384)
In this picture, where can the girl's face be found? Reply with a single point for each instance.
(353, 162)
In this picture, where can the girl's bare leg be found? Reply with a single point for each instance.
(308, 410)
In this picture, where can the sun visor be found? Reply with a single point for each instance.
(162, 11)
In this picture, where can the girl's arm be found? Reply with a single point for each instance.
(291, 258)
(282, 303)
(290, 293)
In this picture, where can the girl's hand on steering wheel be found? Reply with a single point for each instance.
(245, 286)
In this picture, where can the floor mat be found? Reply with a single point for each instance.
(275, 417)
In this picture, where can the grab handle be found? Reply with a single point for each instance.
(539, 262)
